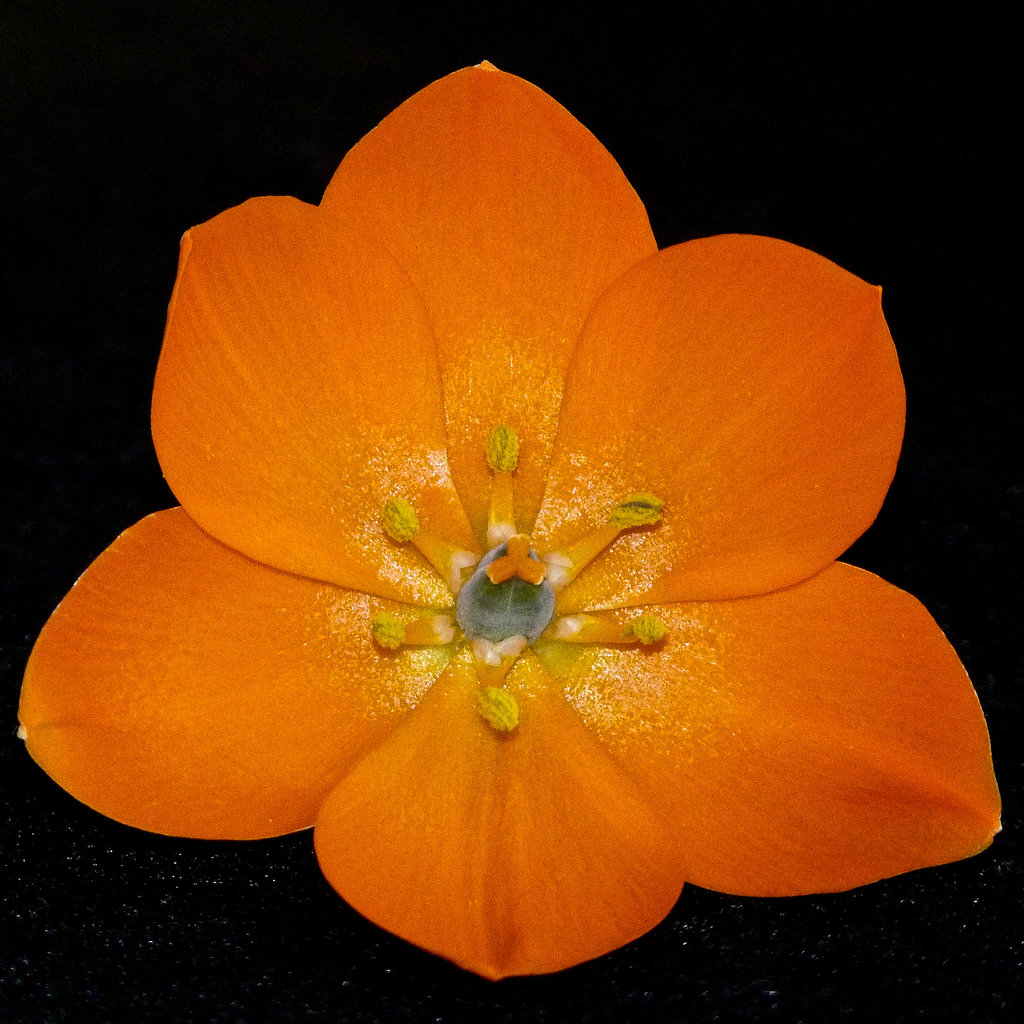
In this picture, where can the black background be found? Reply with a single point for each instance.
(877, 136)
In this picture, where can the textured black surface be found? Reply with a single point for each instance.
(882, 141)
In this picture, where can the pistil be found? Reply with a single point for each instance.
(513, 606)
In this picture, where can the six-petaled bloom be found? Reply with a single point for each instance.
(506, 558)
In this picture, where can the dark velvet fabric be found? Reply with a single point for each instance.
(879, 139)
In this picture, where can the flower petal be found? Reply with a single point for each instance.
(754, 387)
(509, 853)
(184, 689)
(511, 218)
(298, 390)
(809, 740)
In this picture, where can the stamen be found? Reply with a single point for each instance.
(391, 632)
(593, 629)
(502, 452)
(401, 523)
(637, 510)
(499, 708)
(518, 562)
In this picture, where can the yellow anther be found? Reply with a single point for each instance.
(517, 563)
(502, 449)
(400, 520)
(498, 708)
(388, 630)
(648, 629)
(636, 510)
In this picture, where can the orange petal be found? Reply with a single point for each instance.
(809, 740)
(511, 218)
(509, 853)
(184, 689)
(753, 387)
(298, 390)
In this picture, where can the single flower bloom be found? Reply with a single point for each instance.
(506, 558)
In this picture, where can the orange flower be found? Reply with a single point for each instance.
(506, 557)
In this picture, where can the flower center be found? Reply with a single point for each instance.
(515, 606)
(508, 600)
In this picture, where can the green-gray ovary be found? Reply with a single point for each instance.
(496, 611)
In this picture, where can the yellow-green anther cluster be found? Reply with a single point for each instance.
(502, 449)
(499, 708)
(400, 519)
(388, 630)
(648, 629)
(636, 510)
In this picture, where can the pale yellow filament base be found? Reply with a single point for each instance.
(501, 517)
(494, 660)
(450, 561)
